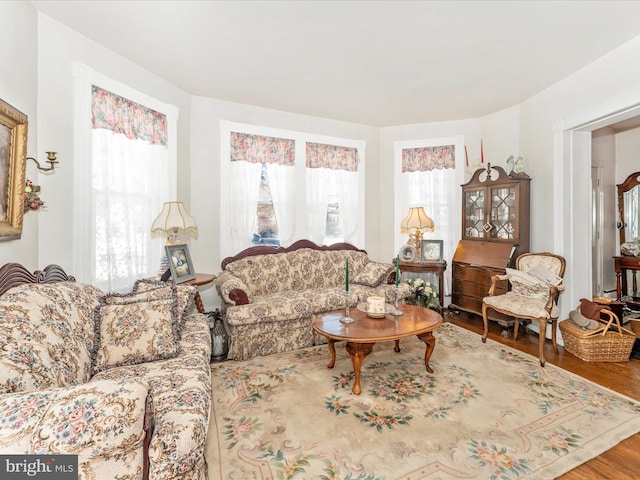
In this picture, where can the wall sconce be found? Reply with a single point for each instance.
(51, 158)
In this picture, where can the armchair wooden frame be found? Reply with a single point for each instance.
(554, 293)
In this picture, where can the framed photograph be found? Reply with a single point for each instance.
(180, 263)
(431, 250)
(407, 253)
(13, 161)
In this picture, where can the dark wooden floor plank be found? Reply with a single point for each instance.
(622, 462)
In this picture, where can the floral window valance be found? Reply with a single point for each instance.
(424, 159)
(121, 115)
(261, 149)
(320, 155)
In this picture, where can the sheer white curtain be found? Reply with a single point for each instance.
(282, 183)
(319, 189)
(126, 199)
(245, 186)
(120, 185)
(349, 201)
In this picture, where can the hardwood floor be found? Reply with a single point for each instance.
(622, 462)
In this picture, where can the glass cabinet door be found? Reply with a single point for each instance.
(474, 219)
(503, 213)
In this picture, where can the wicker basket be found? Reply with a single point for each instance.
(609, 343)
(634, 323)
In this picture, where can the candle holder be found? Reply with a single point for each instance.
(396, 312)
(346, 319)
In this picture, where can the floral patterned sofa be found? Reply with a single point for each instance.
(271, 295)
(121, 380)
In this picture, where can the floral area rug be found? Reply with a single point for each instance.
(487, 412)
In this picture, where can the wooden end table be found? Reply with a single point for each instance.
(201, 279)
(362, 334)
(436, 267)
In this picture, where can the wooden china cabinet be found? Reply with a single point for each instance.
(495, 230)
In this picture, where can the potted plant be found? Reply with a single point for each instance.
(423, 294)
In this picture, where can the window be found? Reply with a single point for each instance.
(429, 174)
(129, 141)
(288, 186)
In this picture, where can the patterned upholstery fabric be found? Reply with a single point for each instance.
(53, 325)
(102, 422)
(136, 332)
(532, 306)
(373, 273)
(46, 335)
(287, 290)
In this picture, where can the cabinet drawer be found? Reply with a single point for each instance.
(475, 273)
(466, 302)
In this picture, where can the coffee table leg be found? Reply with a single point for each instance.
(430, 341)
(332, 351)
(358, 351)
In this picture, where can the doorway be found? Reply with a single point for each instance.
(572, 160)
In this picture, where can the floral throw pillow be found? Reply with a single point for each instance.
(133, 333)
(186, 295)
(373, 274)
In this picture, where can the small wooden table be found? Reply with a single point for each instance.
(362, 334)
(201, 279)
(436, 267)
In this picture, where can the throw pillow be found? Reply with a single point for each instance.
(527, 285)
(186, 295)
(373, 274)
(133, 333)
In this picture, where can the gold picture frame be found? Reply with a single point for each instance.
(13, 161)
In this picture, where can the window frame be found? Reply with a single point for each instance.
(300, 138)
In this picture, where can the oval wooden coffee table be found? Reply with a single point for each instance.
(365, 332)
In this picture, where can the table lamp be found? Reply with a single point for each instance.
(175, 222)
(414, 224)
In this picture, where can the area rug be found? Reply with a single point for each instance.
(487, 412)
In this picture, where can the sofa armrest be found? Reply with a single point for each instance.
(232, 290)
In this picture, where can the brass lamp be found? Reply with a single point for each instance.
(415, 224)
(175, 222)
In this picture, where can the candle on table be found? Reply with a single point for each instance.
(346, 285)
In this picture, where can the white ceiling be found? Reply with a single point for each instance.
(379, 63)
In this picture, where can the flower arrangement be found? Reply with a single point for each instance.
(422, 293)
(32, 200)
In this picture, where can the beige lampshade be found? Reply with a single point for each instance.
(416, 219)
(174, 220)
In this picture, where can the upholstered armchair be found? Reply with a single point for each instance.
(536, 283)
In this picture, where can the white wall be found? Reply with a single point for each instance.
(58, 49)
(18, 87)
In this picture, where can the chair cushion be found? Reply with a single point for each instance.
(524, 306)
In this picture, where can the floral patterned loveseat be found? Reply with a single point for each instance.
(121, 380)
(271, 295)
